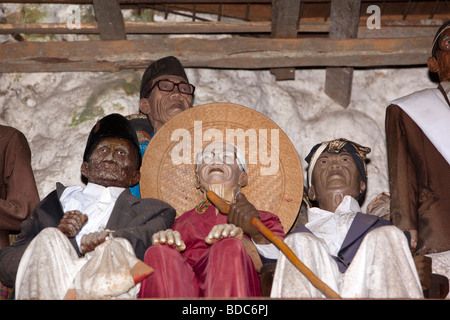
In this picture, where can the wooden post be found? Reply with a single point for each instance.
(110, 20)
(344, 17)
(285, 21)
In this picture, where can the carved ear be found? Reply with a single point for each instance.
(135, 177)
(312, 194)
(144, 106)
(243, 179)
(84, 169)
(433, 64)
(362, 187)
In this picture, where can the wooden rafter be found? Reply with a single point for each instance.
(261, 43)
(144, 1)
(214, 27)
(232, 53)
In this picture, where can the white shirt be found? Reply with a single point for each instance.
(96, 201)
(332, 227)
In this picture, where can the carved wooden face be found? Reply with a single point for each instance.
(441, 64)
(112, 163)
(335, 175)
(219, 166)
(161, 106)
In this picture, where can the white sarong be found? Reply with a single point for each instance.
(382, 268)
(50, 267)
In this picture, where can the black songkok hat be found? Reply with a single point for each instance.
(164, 66)
(435, 44)
(112, 126)
(358, 153)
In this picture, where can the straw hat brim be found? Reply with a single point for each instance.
(275, 186)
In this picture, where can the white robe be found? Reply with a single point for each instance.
(383, 267)
(50, 267)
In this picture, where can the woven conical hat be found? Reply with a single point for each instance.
(274, 185)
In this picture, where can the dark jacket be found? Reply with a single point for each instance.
(18, 191)
(132, 218)
(361, 225)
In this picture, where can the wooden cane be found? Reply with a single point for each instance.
(279, 243)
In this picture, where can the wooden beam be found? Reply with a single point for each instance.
(397, 32)
(110, 19)
(197, 27)
(140, 1)
(344, 17)
(214, 27)
(285, 16)
(229, 53)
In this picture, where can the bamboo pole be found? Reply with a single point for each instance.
(279, 243)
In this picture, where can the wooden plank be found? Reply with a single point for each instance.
(338, 84)
(227, 53)
(344, 17)
(140, 1)
(283, 73)
(110, 19)
(213, 27)
(397, 32)
(285, 21)
(210, 27)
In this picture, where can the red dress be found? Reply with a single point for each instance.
(223, 269)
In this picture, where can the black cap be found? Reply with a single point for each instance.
(164, 66)
(112, 126)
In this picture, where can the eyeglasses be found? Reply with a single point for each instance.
(220, 157)
(444, 43)
(168, 86)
